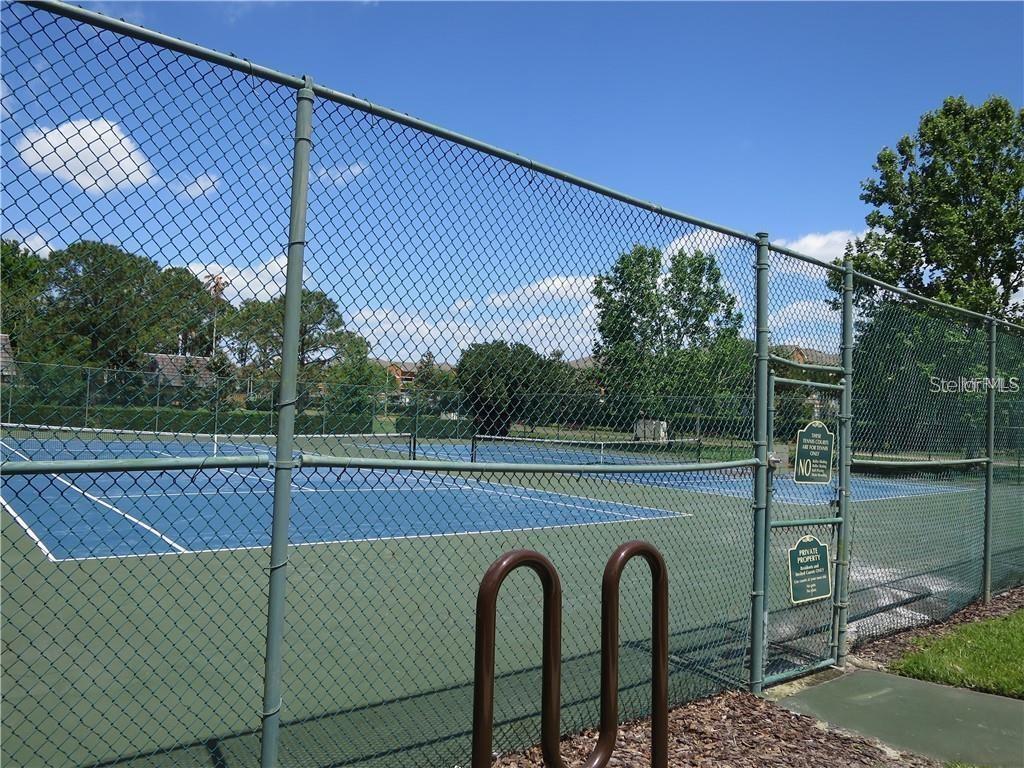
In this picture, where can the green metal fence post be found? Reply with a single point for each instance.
(283, 463)
(990, 455)
(843, 535)
(757, 617)
(770, 436)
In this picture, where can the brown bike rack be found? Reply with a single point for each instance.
(551, 662)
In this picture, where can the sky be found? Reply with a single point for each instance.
(757, 116)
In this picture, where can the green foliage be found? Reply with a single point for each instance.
(898, 351)
(428, 426)
(430, 377)
(504, 383)
(948, 209)
(984, 655)
(23, 277)
(352, 383)
(666, 330)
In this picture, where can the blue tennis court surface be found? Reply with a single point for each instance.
(73, 516)
(126, 514)
(733, 484)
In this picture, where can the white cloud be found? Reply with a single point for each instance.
(825, 247)
(558, 288)
(263, 281)
(340, 175)
(203, 186)
(809, 324)
(400, 334)
(405, 334)
(704, 240)
(37, 242)
(805, 313)
(6, 99)
(96, 155)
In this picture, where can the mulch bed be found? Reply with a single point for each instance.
(739, 730)
(886, 649)
(732, 730)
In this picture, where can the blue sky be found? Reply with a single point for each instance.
(757, 116)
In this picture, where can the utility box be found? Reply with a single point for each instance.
(650, 431)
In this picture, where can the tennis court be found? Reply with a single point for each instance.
(77, 516)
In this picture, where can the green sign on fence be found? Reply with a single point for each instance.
(815, 452)
(809, 571)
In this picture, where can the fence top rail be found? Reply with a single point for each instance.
(805, 258)
(161, 464)
(811, 384)
(97, 466)
(247, 67)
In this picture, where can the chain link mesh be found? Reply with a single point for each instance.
(917, 557)
(1008, 465)
(145, 194)
(456, 307)
(805, 320)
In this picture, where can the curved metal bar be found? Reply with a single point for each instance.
(551, 664)
(610, 654)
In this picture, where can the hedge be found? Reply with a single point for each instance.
(436, 427)
(168, 419)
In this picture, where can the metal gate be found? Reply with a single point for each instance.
(805, 528)
(801, 503)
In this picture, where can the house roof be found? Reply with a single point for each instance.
(807, 355)
(582, 362)
(407, 366)
(172, 369)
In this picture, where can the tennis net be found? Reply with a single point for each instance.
(495, 448)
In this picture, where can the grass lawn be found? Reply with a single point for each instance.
(984, 656)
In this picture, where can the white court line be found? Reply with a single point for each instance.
(102, 503)
(409, 537)
(662, 515)
(31, 534)
(575, 506)
(262, 491)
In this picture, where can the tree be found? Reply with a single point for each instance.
(899, 351)
(255, 333)
(353, 381)
(106, 299)
(948, 209)
(494, 377)
(23, 278)
(187, 313)
(658, 325)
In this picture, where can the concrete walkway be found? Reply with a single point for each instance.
(949, 724)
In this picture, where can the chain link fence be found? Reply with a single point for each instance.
(266, 421)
